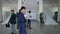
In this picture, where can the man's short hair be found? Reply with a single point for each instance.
(12, 10)
(29, 11)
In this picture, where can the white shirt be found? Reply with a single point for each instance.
(27, 16)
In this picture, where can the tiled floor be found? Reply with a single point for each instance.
(37, 28)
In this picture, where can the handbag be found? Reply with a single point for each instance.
(8, 19)
(7, 25)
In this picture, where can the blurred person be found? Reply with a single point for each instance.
(41, 18)
(29, 20)
(17, 21)
(22, 21)
(12, 21)
(55, 16)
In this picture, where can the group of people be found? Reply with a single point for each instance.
(20, 18)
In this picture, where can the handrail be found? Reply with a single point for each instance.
(49, 12)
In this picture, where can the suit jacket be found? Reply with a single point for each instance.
(22, 23)
(21, 18)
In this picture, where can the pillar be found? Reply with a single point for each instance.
(40, 9)
(19, 4)
(0, 11)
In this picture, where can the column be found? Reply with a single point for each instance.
(19, 4)
(0, 11)
(40, 9)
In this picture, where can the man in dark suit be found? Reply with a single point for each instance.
(12, 21)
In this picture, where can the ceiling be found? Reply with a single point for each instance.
(30, 4)
(9, 1)
(51, 1)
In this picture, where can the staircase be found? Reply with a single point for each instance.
(47, 16)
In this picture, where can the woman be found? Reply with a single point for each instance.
(22, 21)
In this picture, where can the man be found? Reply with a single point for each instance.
(41, 18)
(12, 21)
(29, 21)
(55, 16)
(22, 21)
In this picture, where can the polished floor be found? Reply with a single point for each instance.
(37, 28)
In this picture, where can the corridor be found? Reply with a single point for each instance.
(48, 10)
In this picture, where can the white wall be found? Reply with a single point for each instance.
(7, 6)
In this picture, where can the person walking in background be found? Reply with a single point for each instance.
(12, 21)
(22, 21)
(41, 18)
(55, 16)
(29, 20)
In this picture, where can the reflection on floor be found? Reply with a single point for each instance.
(37, 28)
